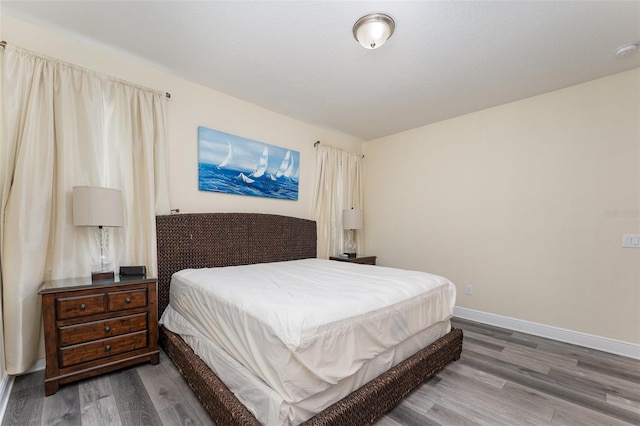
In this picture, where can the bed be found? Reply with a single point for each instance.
(191, 241)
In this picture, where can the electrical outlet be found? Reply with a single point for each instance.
(468, 289)
(631, 240)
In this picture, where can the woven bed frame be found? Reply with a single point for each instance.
(227, 239)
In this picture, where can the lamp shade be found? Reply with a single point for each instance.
(352, 219)
(373, 30)
(97, 206)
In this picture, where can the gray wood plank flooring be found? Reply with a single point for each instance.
(503, 378)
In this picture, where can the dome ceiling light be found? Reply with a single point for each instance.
(373, 30)
(626, 50)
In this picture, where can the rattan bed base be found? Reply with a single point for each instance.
(362, 407)
(227, 239)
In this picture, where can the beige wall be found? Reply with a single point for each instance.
(192, 105)
(527, 202)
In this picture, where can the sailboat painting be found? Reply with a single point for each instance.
(236, 165)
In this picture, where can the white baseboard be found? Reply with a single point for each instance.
(6, 383)
(618, 347)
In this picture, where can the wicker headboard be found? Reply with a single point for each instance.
(201, 240)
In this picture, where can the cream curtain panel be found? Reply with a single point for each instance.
(338, 186)
(66, 126)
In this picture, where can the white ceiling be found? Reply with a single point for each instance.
(299, 58)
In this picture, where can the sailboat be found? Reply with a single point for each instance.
(285, 166)
(262, 164)
(227, 158)
(289, 172)
(244, 178)
(258, 172)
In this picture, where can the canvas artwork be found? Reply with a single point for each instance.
(236, 165)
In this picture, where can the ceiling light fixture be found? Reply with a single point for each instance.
(373, 30)
(626, 50)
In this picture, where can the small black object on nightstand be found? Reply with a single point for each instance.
(133, 271)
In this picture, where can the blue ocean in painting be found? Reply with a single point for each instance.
(236, 165)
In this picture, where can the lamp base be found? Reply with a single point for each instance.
(350, 244)
(102, 276)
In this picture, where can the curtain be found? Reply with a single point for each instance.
(2, 179)
(338, 186)
(66, 126)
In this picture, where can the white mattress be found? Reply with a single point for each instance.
(303, 326)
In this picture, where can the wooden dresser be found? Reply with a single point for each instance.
(93, 328)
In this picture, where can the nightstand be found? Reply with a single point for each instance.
(366, 260)
(93, 328)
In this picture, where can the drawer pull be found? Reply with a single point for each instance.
(127, 300)
(107, 329)
(107, 348)
(83, 306)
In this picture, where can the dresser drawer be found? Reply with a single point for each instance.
(80, 306)
(103, 348)
(127, 299)
(81, 333)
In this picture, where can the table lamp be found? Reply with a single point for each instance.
(101, 207)
(351, 220)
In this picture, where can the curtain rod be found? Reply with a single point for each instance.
(3, 44)
(316, 143)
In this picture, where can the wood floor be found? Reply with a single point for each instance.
(503, 378)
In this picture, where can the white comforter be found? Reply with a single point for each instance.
(302, 326)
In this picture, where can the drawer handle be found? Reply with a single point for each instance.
(107, 329)
(83, 307)
(127, 300)
(107, 348)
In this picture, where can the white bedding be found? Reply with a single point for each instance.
(303, 326)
